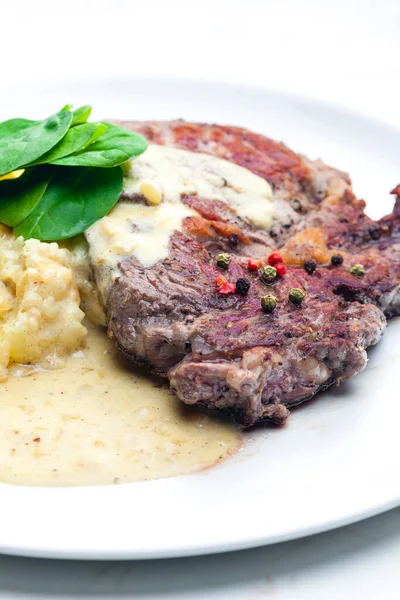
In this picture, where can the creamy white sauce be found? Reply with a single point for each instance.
(142, 230)
(100, 421)
(178, 172)
(137, 229)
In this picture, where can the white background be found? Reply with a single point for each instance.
(342, 52)
(346, 51)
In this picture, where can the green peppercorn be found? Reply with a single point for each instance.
(268, 303)
(357, 270)
(296, 295)
(223, 260)
(268, 274)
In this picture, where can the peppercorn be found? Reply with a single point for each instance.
(357, 270)
(233, 239)
(268, 274)
(310, 266)
(252, 265)
(223, 260)
(336, 260)
(274, 258)
(226, 288)
(220, 280)
(374, 233)
(268, 303)
(223, 285)
(242, 286)
(296, 295)
(280, 269)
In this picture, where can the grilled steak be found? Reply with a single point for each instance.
(300, 185)
(222, 350)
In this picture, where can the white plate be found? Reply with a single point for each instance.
(338, 458)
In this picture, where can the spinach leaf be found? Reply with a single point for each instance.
(72, 202)
(63, 190)
(19, 197)
(80, 115)
(113, 148)
(23, 141)
(100, 130)
(75, 139)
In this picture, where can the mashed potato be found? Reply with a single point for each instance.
(84, 279)
(40, 316)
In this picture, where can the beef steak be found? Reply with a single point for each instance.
(222, 350)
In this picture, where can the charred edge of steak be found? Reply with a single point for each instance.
(280, 412)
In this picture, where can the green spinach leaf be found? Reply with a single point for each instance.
(23, 141)
(19, 197)
(80, 115)
(75, 139)
(64, 189)
(114, 147)
(72, 202)
(100, 130)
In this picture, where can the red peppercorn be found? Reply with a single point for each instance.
(224, 287)
(227, 288)
(252, 265)
(280, 269)
(220, 280)
(274, 259)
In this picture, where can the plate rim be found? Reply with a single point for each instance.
(54, 552)
(204, 81)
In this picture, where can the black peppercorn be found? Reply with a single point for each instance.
(310, 266)
(336, 260)
(374, 233)
(233, 239)
(242, 286)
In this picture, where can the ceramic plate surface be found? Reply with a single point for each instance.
(338, 458)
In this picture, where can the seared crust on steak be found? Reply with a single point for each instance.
(300, 185)
(223, 351)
